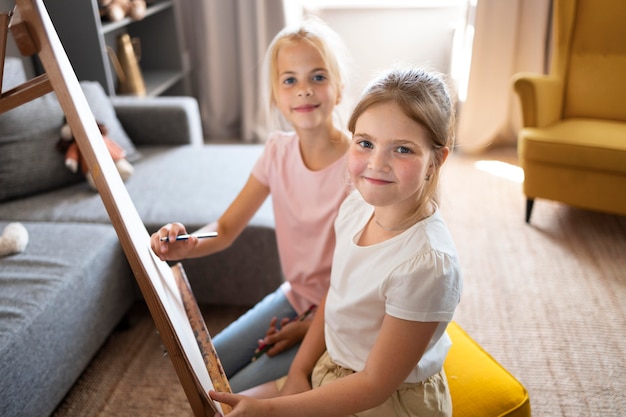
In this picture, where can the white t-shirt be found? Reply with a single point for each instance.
(412, 276)
(305, 206)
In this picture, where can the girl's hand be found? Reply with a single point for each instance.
(289, 334)
(172, 249)
(242, 406)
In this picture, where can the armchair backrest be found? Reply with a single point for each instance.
(589, 55)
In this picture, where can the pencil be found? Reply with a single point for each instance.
(264, 348)
(185, 237)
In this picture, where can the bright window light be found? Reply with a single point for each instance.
(380, 3)
(502, 169)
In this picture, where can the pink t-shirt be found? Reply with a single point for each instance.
(305, 205)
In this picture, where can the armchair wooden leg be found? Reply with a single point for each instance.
(529, 208)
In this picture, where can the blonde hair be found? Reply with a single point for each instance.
(314, 32)
(423, 97)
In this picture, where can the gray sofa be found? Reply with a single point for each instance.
(63, 295)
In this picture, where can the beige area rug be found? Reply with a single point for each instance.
(547, 300)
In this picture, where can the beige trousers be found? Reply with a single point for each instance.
(427, 398)
(430, 398)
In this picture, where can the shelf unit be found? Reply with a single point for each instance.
(86, 37)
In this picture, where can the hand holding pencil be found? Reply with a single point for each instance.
(278, 340)
(172, 242)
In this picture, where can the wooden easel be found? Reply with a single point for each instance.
(166, 290)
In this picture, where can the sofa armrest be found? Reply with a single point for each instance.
(541, 98)
(163, 120)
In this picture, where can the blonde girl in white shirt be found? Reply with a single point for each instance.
(378, 343)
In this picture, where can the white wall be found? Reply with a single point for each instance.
(381, 34)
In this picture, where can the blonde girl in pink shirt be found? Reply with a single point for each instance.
(304, 172)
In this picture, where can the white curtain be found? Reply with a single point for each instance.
(226, 42)
(509, 36)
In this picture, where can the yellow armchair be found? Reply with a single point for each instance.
(572, 144)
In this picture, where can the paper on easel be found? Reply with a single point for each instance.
(170, 296)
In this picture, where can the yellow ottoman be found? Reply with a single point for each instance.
(480, 386)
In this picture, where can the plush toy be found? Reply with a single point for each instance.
(14, 239)
(115, 10)
(74, 160)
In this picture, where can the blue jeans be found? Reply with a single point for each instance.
(236, 344)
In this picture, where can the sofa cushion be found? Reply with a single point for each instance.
(59, 301)
(586, 144)
(29, 160)
(190, 184)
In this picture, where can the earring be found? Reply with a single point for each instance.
(427, 178)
